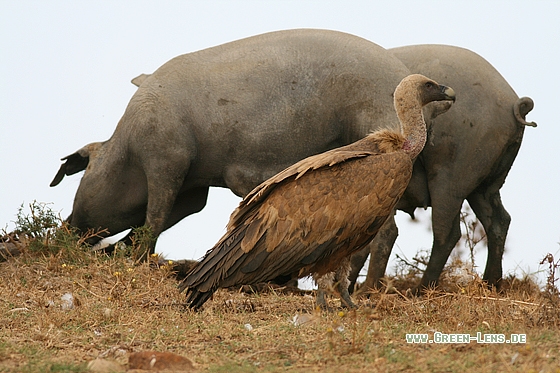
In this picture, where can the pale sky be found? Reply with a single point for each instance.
(66, 66)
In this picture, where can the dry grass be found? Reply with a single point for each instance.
(122, 307)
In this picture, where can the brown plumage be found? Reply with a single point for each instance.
(317, 212)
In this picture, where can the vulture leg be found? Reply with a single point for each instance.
(495, 220)
(326, 282)
(343, 283)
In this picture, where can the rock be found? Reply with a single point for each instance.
(67, 301)
(159, 361)
(298, 319)
(8, 250)
(105, 366)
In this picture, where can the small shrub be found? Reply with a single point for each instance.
(41, 221)
(43, 231)
(142, 241)
(38, 227)
(551, 288)
(472, 233)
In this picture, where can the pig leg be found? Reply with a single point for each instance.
(187, 203)
(165, 179)
(357, 261)
(160, 204)
(447, 231)
(380, 250)
(495, 219)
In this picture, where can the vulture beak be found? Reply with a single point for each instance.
(448, 92)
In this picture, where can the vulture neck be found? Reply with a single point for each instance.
(409, 112)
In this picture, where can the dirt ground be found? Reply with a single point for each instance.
(62, 308)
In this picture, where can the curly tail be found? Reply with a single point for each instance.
(520, 109)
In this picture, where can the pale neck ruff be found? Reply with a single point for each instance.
(414, 130)
(415, 142)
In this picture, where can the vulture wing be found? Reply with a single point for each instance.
(383, 141)
(260, 192)
(305, 219)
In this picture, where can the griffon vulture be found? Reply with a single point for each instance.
(311, 216)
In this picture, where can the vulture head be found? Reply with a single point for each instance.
(425, 89)
(414, 92)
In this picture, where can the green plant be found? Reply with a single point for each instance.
(38, 227)
(142, 241)
(40, 223)
(43, 230)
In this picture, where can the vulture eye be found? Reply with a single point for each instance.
(429, 85)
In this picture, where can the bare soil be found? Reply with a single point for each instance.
(66, 307)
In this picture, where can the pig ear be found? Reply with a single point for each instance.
(140, 79)
(76, 162)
